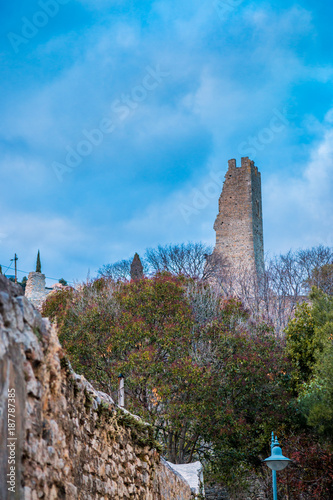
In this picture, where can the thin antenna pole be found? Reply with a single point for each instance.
(15, 259)
(274, 442)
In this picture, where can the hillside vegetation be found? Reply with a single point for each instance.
(213, 374)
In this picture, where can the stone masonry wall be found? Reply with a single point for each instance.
(238, 225)
(35, 290)
(68, 441)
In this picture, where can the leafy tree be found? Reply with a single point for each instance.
(247, 399)
(301, 344)
(316, 400)
(83, 318)
(0, 269)
(322, 312)
(211, 383)
(310, 476)
(317, 395)
(309, 339)
(38, 263)
(63, 282)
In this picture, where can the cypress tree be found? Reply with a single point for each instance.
(0, 270)
(38, 263)
(136, 268)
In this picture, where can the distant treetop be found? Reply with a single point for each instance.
(38, 263)
(136, 268)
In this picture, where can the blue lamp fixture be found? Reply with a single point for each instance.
(276, 462)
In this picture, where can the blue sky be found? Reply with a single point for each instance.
(118, 118)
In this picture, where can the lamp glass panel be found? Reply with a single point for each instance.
(277, 464)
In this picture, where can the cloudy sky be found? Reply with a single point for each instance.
(118, 118)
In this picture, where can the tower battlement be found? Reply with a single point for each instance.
(238, 225)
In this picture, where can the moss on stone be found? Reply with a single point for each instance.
(141, 432)
(37, 333)
(88, 400)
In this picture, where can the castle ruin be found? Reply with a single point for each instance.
(36, 289)
(238, 225)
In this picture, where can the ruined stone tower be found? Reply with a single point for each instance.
(35, 290)
(238, 225)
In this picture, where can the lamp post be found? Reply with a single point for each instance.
(121, 391)
(276, 462)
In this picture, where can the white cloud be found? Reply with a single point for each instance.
(295, 20)
(300, 210)
(27, 171)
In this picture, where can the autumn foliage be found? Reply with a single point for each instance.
(212, 382)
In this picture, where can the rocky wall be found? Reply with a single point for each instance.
(60, 438)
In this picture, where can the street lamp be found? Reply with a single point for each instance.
(121, 391)
(276, 462)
